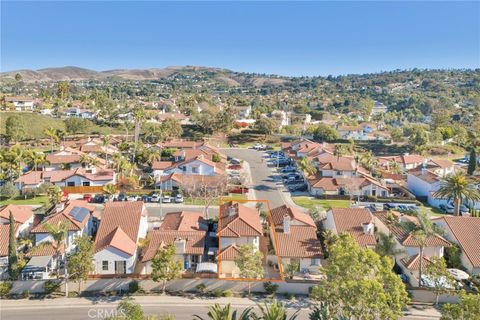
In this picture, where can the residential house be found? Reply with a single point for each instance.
(185, 230)
(80, 113)
(237, 225)
(357, 222)
(405, 162)
(63, 159)
(180, 117)
(243, 112)
(122, 225)
(4, 241)
(296, 239)
(21, 103)
(408, 258)
(378, 108)
(465, 232)
(66, 178)
(22, 215)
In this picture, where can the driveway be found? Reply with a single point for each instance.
(265, 182)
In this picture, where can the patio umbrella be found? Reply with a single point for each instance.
(458, 274)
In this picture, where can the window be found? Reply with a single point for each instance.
(71, 184)
(86, 183)
(195, 169)
(374, 192)
(315, 262)
(105, 265)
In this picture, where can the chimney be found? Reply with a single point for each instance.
(183, 155)
(180, 245)
(286, 224)
(368, 228)
(231, 211)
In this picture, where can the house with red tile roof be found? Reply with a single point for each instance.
(4, 240)
(465, 232)
(237, 225)
(296, 239)
(407, 258)
(186, 230)
(122, 225)
(92, 176)
(362, 185)
(358, 222)
(406, 161)
(23, 216)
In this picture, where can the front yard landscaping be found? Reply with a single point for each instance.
(310, 203)
(39, 200)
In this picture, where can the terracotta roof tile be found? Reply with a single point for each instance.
(301, 242)
(4, 238)
(350, 220)
(182, 221)
(195, 242)
(21, 214)
(294, 214)
(230, 253)
(243, 222)
(413, 262)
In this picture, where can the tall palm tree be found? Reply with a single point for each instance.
(307, 166)
(52, 134)
(386, 246)
(38, 158)
(217, 312)
(105, 144)
(153, 156)
(458, 187)
(110, 189)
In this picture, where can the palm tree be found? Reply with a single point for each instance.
(52, 134)
(274, 311)
(55, 195)
(110, 189)
(153, 156)
(217, 312)
(19, 154)
(105, 144)
(39, 159)
(456, 187)
(307, 166)
(386, 245)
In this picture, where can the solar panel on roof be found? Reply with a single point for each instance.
(79, 213)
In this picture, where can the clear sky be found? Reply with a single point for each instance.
(308, 38)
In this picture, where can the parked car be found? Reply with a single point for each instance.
(99, 198)
(289, 169)
(235, 161)
(146, 198)
(132, 198)
(122, 197)
(87, 197)
(166, 199)
(234, 167)
(155, 198)
(178, 198)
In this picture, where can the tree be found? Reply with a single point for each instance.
(274, 311)
(164, 265)
(386, 246)
(440, 279)
(217, 312)
(80, 262)
(307, 166)
(59, 233)
(360, 283)
(130, 311)
(418, 138)
(18, 77)
(171, 128)
(55, 195)
(468, 308)
(291, 269)
(63, 90)
(324, 132)
(110, 189)
(52, 134)
(12, 249)
(472, 162)
(249, 261)
(458, 187)
(105, 144)
(76, 125)
(266, 126)
(14, 128)
(8, 190)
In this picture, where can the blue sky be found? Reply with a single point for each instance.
(308, 38)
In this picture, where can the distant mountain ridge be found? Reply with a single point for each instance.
(76, 73)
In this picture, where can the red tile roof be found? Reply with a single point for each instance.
(21, 214)
(230, 253)
(301, 242)
(181, 144)
(65, 217)
(195, 242)
(467, 232)
(63, 157)
(182, 221)
(350, 220)
(119, 226)
(160, 165)
(413, 262)
(4, 238)
(294, 214)
(244, 222)
(44, 249)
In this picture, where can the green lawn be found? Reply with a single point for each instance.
(200, 202)
(36, 123)
(39, 200)
(309, 203)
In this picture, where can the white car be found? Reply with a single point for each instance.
(179, 198)
(166, 199)
(155, 198)
(132, 198)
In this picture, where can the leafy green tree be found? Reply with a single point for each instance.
(307, 166)
(76, 125)
(439, 277)
(14, 128)
(458, 187)
(266, 126)
(171, 128)
(165, 267)
(8, 190)
(12, 250)
(291, 269)
(217, 312)
(63, 90)
(468, 308)
(109, 189)
(360, 283)
(472, 162)
(55, 195)
(324, 132)
(419, 138)
(80, 262)
(274, 310)
(52, 134)
(386, 246)
(130, 311)
(249, 261)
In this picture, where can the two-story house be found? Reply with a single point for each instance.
(21, 103)
(186, 230)
(237, 225)
(122, 225)
(296, 239)
(22, 215)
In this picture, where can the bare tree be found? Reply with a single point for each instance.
(208, 189)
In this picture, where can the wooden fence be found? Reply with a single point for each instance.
(83, 189)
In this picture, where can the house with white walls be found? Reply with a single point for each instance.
(21, 103)
(237, 225)
(22, 215)
(122, 225)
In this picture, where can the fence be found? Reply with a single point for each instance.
(83, 189)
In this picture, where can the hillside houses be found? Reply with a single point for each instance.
(21, 103)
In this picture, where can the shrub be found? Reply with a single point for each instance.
(289, 296)
(25, 294)
(51, 286)
(167, 316)
(270, 288)
(201, 288)
(133, 286)
(217, 293)
(8, 190)
(5, 288)
(227, 293)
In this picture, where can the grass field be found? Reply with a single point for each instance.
(35, 124)
(39, 200)
(309, 203)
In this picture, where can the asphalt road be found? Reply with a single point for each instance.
(266, 184)
(155, 210)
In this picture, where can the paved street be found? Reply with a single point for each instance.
(181, 307)
(266, 184)
(157, 210)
